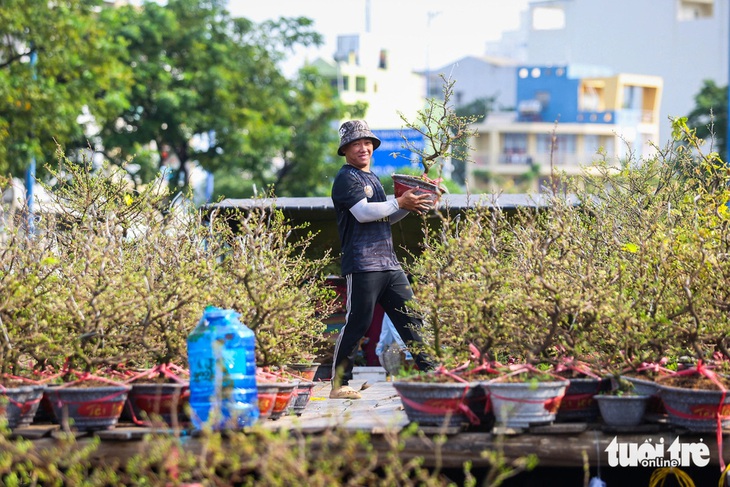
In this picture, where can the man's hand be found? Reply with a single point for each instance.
(412, 201)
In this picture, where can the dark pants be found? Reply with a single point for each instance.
(392, 291)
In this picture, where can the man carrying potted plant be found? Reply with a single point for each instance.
(369, 264)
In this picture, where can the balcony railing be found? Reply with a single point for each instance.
(484, 161)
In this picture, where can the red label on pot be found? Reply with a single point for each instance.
(443, 404)
(282, 401)
(101, 409)
(576, 402)
(163, 404)
(709, 410)
(266, 401)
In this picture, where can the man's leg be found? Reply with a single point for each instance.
(362, 294)
(397, 293)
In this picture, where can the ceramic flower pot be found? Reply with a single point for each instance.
(696, 409)
(19, 404)
(649, 388)
(283, 398)
(305, 371)
(300, 399)
(579, 404)
(523, 404)
(405, 182)
(87, 407)
(436, 403)
(148, 403)
(267, 392)
(624, 410)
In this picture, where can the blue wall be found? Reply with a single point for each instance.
(562, 91)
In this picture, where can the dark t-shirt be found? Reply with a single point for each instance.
(365, 246)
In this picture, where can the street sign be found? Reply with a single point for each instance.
(392, 155)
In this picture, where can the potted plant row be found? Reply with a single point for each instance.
(613, 270)
(115, 278)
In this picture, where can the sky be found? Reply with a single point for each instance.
(437, 32)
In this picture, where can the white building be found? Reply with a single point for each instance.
(477, 77)
(364, 70)
(684, 42)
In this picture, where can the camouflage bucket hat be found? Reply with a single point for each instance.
(354, 130)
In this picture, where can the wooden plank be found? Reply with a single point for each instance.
(34, 431)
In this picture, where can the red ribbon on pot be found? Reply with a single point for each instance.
(704, 370)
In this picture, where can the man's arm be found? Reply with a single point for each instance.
(366, 212)
(399, 207)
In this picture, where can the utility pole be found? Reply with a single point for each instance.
(30, 172)
(430, 15)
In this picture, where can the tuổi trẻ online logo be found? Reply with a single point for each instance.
(657, 454)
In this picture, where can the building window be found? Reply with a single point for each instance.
(515, 149)
(548, 18)
(563, 144)
(345, 83)
(695, 9)
(360, 84)
(591, 144)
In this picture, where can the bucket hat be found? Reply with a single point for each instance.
(354, 130)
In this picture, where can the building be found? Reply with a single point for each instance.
(477, 77)
(682, 41)
(363, 70)
(565, 115)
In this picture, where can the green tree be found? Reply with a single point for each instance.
(309, 157)
(202, 76)
(709, 117)
(56, 63)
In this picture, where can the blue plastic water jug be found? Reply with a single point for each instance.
(222, 361)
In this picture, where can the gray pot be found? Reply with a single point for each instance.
(435, 403)
(625, 410)
(649, 388)
(88, 408)
(521, 404)
(695, 409)
(302, 394)
(19, 404)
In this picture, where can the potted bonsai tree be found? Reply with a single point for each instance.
(445, 134)
(282, 296)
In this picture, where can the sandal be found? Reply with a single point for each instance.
(344, 392)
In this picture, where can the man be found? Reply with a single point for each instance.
(369, 264)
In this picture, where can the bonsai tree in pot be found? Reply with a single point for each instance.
(280, 292)
(445, 135)
(130, 281)
(462, 286)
